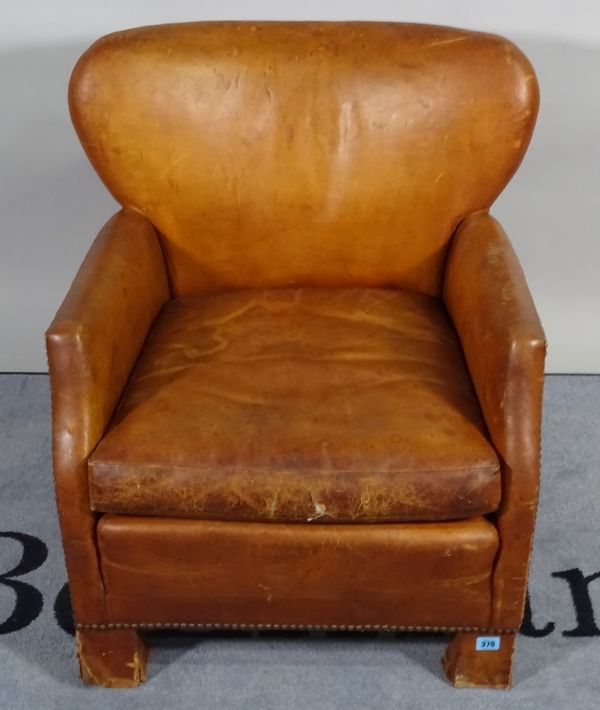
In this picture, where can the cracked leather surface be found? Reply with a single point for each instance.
(299, 405)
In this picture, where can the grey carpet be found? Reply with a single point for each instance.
(558, 657)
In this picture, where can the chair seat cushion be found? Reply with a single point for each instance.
(325, 405)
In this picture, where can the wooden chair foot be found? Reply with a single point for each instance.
(112, 658)
(469, 661)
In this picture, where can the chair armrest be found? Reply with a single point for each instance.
(92, 345)
(504, 346)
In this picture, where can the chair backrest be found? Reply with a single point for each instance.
(304, 153)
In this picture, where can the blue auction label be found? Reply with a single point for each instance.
(487, 643)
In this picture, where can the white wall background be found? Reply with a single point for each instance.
(52, 204)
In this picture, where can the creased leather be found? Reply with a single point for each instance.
(326, 405)
(404, 575)
(504, 344)
(304, 154)
(93, 343)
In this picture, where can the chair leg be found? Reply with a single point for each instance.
(112, 658)
(470, 664)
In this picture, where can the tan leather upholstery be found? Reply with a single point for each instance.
(301, 405)
(303, 314)
(92, 345)
(505, 347)
(312, 154)
(297, 574)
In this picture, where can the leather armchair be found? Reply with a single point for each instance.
(297, 380)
